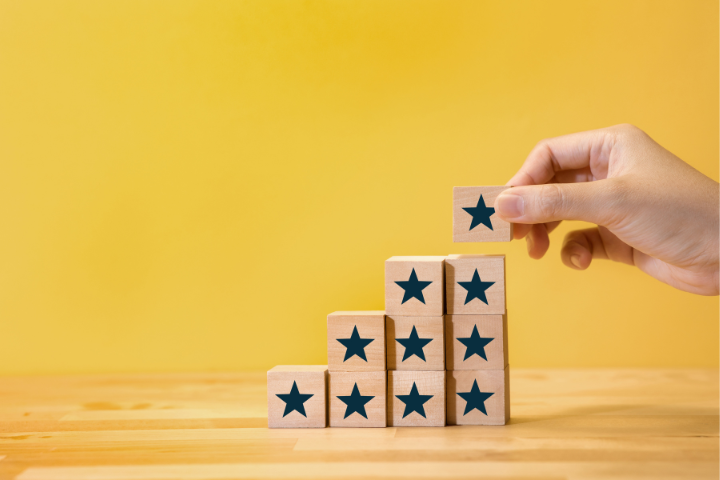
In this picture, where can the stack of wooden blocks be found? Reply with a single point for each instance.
(437, 355)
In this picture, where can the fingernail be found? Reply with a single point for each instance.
(510, 206)
(529, 242)
(575, 260)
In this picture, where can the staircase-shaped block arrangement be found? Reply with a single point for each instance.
(437, 355)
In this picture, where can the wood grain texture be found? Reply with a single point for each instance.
(581, 424)
(310, 380)
(462, 268)
(427, 269)
(497, 407)
(368, 384)
(370, 325)
(426, 328)
(376, 470)
(467, 197)
(488, 326)
(427, 383)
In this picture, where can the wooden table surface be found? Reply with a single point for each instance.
(574, 424)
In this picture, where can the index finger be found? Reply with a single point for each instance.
(575, 151)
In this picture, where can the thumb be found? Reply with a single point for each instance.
(588, 201)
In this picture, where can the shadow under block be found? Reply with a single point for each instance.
(474, 219)
(415, 343)
(476, 342)
(415, 286)
(475, 284)
(478, 397)
(356, 341)
(297, 396)
(357, 399)
(416, 399)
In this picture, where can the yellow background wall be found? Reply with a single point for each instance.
(193, 185)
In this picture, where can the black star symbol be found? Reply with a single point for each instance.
(355, 345)
(475, 344)
(355, 402)
(480, 214)
(413, 345)
(475, 399)
(294, 400)
(414, 402)
(476, 288)
(413, 288)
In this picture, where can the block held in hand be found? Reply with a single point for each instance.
(474, 216)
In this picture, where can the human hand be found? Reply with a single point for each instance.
(652, 209)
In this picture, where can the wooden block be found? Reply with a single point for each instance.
(478, 397)
(474, 218)
(357, 399)
(415, 343)
(356, 341)
(297, 396)
(476, 342)
(475, 284)
(416, 399)
(415, 286)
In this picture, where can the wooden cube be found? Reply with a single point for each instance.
(474, 217)
(476, 342)
(297, 396)
(357, 399)
(415, 286)
(356, 341)
(416, 399)
(478, 397)
(475, 284)
(415, 343)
